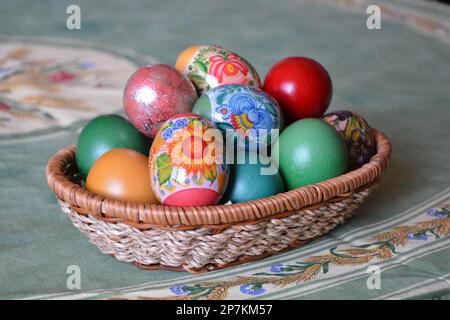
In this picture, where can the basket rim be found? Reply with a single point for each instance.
(142, 215)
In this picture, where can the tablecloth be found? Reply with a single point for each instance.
(53, 80)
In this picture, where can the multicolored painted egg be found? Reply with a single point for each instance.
(155, 93)
(104, 133)
(210, 66)
(357, 134)
(249, 111)
(186, 162)
(121, 174)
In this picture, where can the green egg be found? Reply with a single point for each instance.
(247, 182)
(310, 151)
(104, 133)
(203, 106)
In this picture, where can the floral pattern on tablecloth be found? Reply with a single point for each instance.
(45, 87)
(431, 225)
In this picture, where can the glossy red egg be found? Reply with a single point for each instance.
(301, 86)
(155, 93)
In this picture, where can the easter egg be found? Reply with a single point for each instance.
(310, 151)
(210, 66)
(121, 174)
(302, 87)
(357, 134)
(250, 182)
(186, 162)
(104, 133)
(249, 111)
(155, 93)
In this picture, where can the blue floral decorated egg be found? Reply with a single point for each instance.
(357, 134)
(248, 111)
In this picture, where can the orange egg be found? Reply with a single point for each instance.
(185, 57)
(121, 174)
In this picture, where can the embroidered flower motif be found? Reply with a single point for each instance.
(167, 134)
(252, 289)
(4, 107)
(87, 65)
(6, 72)
(228, 69)
(384, 246)
(61, 76)
(223, 111)
(276, 268)
(179, 290)
(417, 236)
(438, 213)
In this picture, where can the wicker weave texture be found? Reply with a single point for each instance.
(206, 249)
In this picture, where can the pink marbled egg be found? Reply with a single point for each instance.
(155, 93)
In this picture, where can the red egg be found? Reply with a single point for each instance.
(301, 86)
(155, 93)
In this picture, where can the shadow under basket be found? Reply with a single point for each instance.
(199, 239)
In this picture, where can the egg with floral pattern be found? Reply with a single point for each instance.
(357, 134)
(248, 111)
(186, 162)
(210, 66)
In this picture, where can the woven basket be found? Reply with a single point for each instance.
(199, 239)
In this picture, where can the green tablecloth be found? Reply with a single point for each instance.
(398, 77)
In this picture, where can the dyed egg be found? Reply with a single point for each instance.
(357, 134)
(250, 182)
(302, 87)
(121, 174)
(310, 151)
(155, 93)
(104, 133)
(249, 111)
(210, 66)
(186, 162)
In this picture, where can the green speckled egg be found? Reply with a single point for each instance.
(248, 182)
(310, 151)
(104, 133)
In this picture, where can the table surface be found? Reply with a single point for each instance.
(397, 77)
